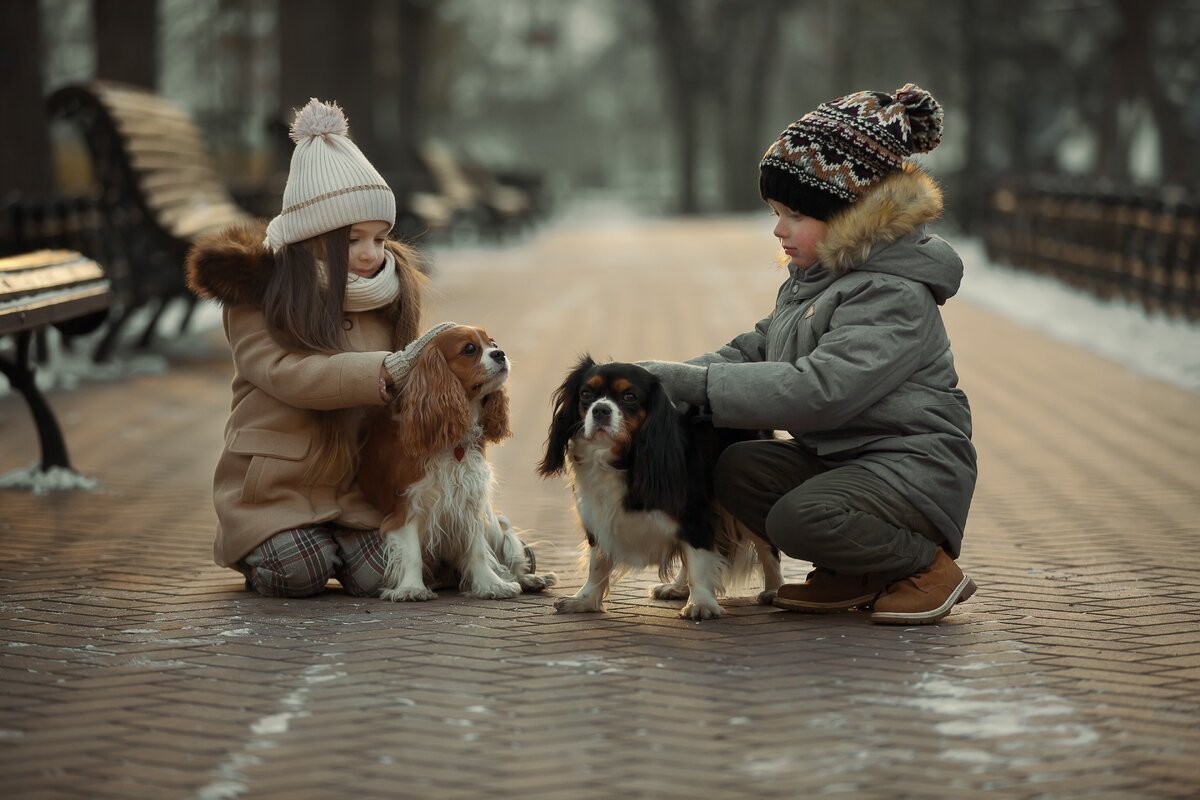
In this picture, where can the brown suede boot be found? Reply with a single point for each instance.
(828, 592)
(925, 597)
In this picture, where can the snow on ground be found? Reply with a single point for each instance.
(1151, 344)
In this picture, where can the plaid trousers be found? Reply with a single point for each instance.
(297, 563)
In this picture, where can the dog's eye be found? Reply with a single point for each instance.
(629, 397)
(470, 349)
(586, 394)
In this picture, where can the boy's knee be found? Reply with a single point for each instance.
(809, 531)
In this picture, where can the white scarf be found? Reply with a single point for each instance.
(366, 294)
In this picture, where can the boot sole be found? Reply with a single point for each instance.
(823, 608)
(961, 593)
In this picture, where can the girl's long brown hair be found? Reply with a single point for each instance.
(302, 305)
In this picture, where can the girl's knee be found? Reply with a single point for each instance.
(291, 580)
(291, 564)
(362, 563)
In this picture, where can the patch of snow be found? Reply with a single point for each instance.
(273, 724)
(55, 479)
(1150, 343)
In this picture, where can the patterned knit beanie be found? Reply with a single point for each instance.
(827, 159)
(330, 184)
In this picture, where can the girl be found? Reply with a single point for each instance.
(321, 312)
(874, 484)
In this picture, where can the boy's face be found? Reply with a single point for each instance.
(798, 235)
(366, 247)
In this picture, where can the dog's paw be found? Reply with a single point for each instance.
(408, 594)
(577, 605)
(669, 591)
(531, 583)
(495, 591)
(699, 611)
(766, 597)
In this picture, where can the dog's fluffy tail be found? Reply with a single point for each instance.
(735, 543)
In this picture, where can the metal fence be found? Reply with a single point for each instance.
(1139, 246)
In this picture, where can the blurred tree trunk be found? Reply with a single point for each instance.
(975, 89)
(126, 34)
(678, 54)
(751, 42)
(1135, 79)
(843, 19)
(415, 33)
(718, 56)
(326, 52)
(25, 156)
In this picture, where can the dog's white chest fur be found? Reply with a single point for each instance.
(452, 497)
(632, 538)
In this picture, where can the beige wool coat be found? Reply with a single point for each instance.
(259, 487)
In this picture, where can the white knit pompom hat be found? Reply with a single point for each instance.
(330, 184)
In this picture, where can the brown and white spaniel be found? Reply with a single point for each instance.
(423, 464)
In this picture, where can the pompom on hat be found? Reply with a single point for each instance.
(330, 184)
(826, 160)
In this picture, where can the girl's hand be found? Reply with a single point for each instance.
(385, 384)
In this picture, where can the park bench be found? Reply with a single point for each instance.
(47, 287)
(474, 193)
(159, 192)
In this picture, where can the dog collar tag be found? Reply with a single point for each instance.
(459, 452)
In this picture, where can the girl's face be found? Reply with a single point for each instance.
(366, 247)
(798, 235)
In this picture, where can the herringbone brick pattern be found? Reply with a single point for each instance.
(131, 666)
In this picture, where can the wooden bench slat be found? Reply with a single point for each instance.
(130, 125)
(38, 258)
(182, 150)
(18, 284)
(169, 162)
(50, 307)
(156, 180)
(193, 222)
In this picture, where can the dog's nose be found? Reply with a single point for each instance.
(602, 411)
(498, 355)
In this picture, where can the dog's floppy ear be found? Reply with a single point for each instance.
(566, 418)
(658, 472)
(493, 416)
(433, 412)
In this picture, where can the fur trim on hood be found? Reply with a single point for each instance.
(897, 206)
(231, 266)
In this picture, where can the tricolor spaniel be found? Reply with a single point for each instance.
(642, 477)
(423, 465)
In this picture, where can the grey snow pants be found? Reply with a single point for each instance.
(841, 517)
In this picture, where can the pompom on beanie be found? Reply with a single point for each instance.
(330, 183)
(826, 160)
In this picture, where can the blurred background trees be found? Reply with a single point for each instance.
(667, 104)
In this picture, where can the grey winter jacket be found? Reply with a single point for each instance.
(854, 361)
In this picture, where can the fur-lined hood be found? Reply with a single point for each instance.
(884, 232)
(233, 267)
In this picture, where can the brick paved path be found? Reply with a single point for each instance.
(132, 667)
